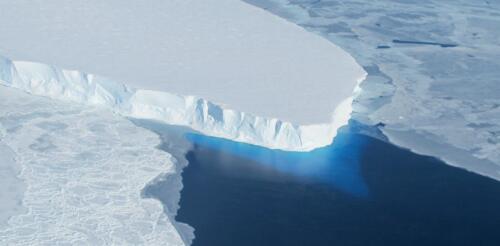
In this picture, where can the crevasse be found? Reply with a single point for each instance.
(197, 113)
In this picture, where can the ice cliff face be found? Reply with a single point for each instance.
(195, 112)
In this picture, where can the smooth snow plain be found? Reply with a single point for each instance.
(433, 71)
(84, 170)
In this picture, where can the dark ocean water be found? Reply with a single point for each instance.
(357, 191)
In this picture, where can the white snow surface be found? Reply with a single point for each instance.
(226, 51)
(84, 169)
(195, 112)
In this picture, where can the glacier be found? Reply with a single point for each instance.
(225, 51)
(197, 113)
(253, 76)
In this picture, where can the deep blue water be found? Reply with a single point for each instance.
(358, 191)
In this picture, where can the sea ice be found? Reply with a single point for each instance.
(11, 187)
(437, 92)
(84, 169)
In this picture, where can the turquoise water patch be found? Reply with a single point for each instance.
(336, 164)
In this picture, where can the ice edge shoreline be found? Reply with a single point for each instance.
(194, 112)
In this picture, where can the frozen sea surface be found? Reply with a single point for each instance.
(11, 187)
(84, 170)
(433, 70)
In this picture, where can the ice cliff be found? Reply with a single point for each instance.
(197, 113)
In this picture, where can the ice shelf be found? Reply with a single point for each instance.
(192, 111)
(225, 51)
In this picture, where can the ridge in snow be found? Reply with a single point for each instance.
(192, 111)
